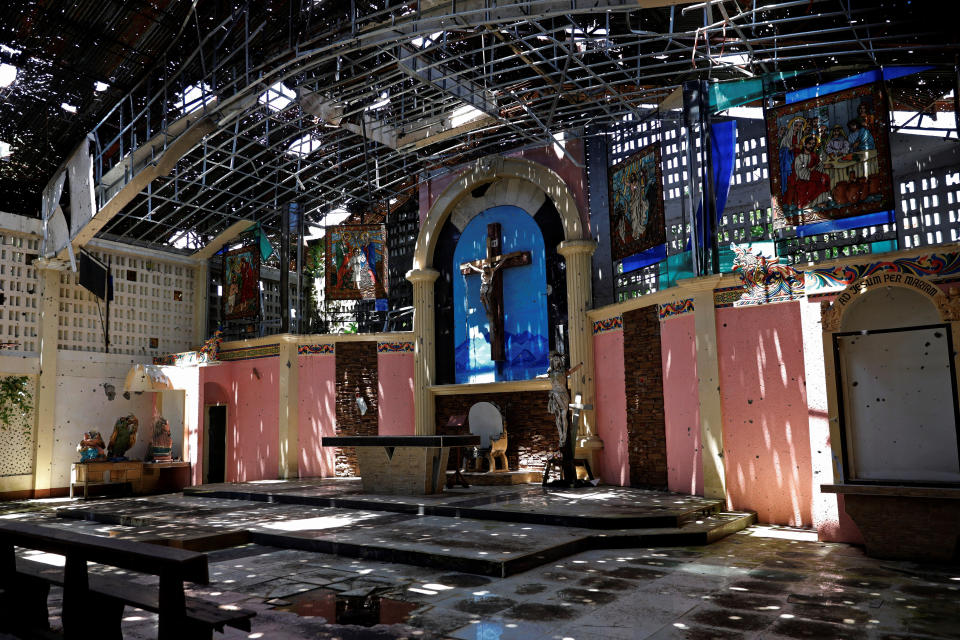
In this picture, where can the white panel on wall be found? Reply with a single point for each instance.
(899, 405)
(19, 312)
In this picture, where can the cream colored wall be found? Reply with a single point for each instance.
(82, 404)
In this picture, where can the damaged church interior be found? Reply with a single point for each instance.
(479, 319)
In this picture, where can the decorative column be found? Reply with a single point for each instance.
(201, 291)
(577, 254)
(425, 351)
(708, 384)
(48, 272)
(289, 380)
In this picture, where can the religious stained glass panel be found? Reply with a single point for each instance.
(241, 295)
(830, 157)
(356, 262)
(636, 203)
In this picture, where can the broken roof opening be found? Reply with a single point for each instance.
(194, 97)
(304, 145)
(8, 75)
(277, 97)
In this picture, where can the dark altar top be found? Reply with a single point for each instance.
(400, 441)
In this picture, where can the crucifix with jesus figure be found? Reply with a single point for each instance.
(491, 285)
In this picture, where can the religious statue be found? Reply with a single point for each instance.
(491, 285)
(558, 402)
(124, 437)
(161, 445)
(91, 447)
(210, 351)
(486, 288)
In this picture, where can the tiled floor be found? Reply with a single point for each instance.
(764, 582)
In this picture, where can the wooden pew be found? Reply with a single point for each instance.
(92, 603)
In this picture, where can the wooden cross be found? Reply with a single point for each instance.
(491, 285)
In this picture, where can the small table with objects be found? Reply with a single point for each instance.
(97, 474)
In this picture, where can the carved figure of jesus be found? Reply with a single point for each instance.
(486, 287)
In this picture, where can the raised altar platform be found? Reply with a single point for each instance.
(402, 465)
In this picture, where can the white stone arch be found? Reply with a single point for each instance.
(516, 181)
(947, 307)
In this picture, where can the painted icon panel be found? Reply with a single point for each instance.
(636, 203)
(830, 157)
(356, 262)
(241, 295)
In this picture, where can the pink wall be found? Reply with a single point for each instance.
(680, 406)
(253, 408)
(611, 403)
(766, 441)
(317, 413)
(395, 394)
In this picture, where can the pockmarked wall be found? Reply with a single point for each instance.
(395, 388)
(611, 404)
(253, 414)
(90, 396)
(681, 409)
(766, 439)
(317, 408)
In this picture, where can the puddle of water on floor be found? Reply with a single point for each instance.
(364, 611)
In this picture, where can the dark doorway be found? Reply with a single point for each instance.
(216, 444)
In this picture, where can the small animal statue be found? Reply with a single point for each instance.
(91, 447)
(161, 445)
(210, 351)
(123, 438)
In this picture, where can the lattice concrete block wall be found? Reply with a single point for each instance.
(16, 443)
(151, 313)
(19, 311)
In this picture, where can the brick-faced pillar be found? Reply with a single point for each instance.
(425, 349)
(356, 374)
(643, 386)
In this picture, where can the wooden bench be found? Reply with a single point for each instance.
(93, 603)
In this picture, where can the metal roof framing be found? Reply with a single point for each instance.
(390, 75)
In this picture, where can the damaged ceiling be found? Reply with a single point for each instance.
(349, 104)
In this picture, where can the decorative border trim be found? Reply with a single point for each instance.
(327, 349)
(674, 309)
(935, 264)
(395, 347)
(610, 324)
(733, 297)
(250, 353)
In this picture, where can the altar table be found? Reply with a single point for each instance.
(402, 465)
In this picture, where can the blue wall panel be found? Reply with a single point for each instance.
(524, 295)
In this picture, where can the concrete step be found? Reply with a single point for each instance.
(489, 547)
(529, 505)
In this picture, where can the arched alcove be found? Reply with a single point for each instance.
(896, 385)
(889, 308)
